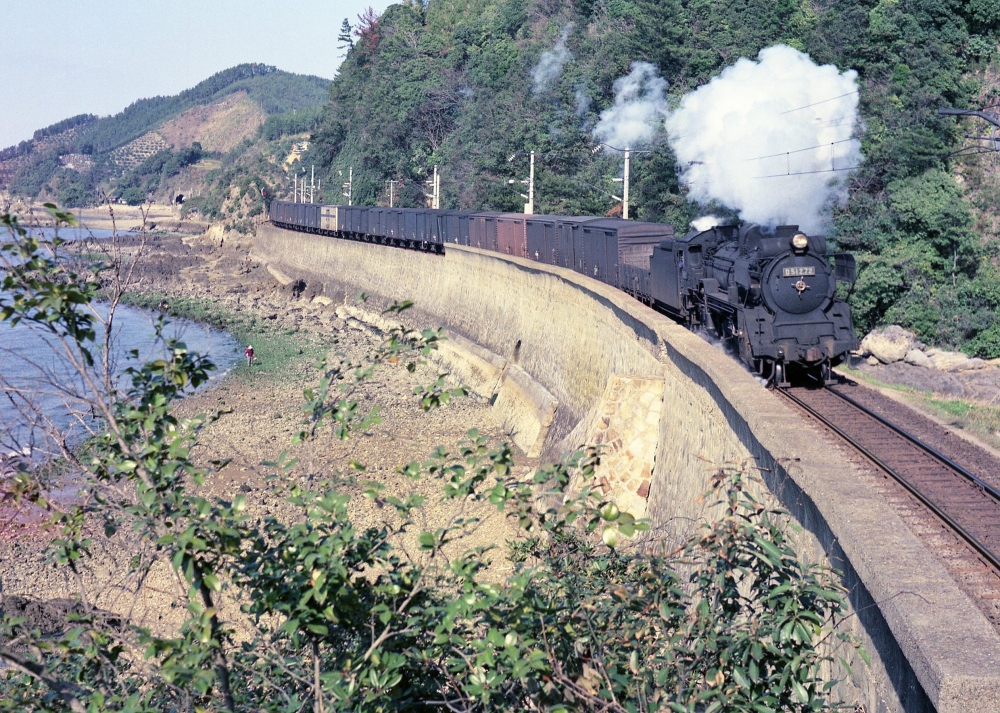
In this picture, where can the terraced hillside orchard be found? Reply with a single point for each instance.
(232, 130)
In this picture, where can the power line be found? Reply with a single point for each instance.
(836, 122)
(806, 173)
(785, 153)
(615, 148)
(820, 102)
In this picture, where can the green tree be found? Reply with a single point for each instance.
(345, 40)
(930, 208)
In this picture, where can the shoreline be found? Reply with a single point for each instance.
(157, 217)
(212, 280)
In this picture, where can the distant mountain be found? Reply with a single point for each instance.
(75, 160)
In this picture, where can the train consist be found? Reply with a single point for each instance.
(771, 296)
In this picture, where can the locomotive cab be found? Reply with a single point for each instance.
(674, 267)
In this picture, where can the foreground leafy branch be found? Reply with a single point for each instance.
(312, 610)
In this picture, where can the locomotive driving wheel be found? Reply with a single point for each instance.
(779, 378)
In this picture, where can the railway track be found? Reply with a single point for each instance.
(966, 504)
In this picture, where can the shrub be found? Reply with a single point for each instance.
(342, 617)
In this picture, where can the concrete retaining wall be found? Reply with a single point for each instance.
(559, 337)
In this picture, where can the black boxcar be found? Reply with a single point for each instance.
(306, 215)
(355, 220)
(540, 238)
(607, 243)
(565, 246)
(376, 222)
(483, 231)
(453, 226)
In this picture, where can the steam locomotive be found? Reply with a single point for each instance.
(770, 295)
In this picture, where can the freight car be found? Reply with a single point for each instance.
(771, 295)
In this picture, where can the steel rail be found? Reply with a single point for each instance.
(945, 460)
(971, 539)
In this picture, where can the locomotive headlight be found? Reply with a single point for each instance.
(800, 242)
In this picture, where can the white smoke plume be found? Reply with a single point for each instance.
(705, 222)
(551, 63)
(639, 109)
(582, 101)
(771, 138)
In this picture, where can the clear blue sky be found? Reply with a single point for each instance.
(59, 58)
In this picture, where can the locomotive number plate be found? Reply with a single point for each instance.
(798, 271)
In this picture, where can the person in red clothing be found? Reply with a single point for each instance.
(249, 352)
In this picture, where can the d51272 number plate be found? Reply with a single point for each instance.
(798, 271)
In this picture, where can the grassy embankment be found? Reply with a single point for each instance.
(277, 348)
(978, 420)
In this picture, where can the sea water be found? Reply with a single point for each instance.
(35, 370)
(38, 380)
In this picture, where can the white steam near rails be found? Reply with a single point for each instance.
(639, 109)
(551, 63)
(772, 138)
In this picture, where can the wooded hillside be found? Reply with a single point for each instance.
(143, 151)
(467, 85)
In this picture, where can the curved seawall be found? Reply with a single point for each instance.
(569, 360)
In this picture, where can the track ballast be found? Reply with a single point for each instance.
(965, 503)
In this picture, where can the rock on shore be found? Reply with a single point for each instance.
(893, 343)
(896, 356)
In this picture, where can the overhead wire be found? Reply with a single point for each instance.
(840, 96)
(837, 122)
(807, 173)
(809, 148)
(832, 122)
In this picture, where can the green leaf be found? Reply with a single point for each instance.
(426, 540)
(800, 691)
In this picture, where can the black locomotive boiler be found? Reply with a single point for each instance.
(770, 295)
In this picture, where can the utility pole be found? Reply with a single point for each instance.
(312, 181)
(349, 186)
(392, 192)
(435, 184)
(624, 182)
(529, 209)
(625, 187)
(295, 188)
